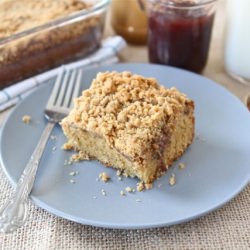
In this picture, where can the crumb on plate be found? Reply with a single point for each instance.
(104, 177)
(67, 146)
(129, 189)
(26, 119)
(140, 186)
(122, 193)
(172, 180)
(182, 165)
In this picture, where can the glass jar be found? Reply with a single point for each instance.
(237, 42)
(180, 31)
(129, 19)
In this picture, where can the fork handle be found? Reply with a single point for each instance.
(14, 213)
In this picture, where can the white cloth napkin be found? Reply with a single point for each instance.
(106, 54)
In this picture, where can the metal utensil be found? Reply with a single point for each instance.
(67, 86)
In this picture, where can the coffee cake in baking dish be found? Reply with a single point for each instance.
(39, 35)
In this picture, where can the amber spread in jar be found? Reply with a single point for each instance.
(179, 38)
(129, 19)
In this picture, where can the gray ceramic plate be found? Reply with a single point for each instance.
(217, 163)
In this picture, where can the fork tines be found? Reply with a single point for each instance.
(66, 88)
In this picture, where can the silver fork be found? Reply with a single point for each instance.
(14, 213)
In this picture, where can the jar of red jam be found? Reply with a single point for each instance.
(180, 31)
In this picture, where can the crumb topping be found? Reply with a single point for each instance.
(79, 157)
(130, 111)
(17, 16)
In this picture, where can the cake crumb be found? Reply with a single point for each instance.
(138, 200)
(67, 162)
(54, 148)
(67, 146)
(148, 186)
(182, 165)
(122, 193)
(172, 180)
(81, 155)
(72, 181)
(26, 119)
(103, 192)
(140, 186)
(125, 174)
(129, 189)
(53, 137)
(119, 178)
(73, 173)
(118, 172)
(104, 177)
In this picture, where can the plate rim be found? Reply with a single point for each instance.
(112, 225)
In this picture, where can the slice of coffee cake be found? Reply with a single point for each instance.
(131, 123)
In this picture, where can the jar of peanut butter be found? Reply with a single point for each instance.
(129, 20)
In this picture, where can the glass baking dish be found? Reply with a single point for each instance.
(57, 42)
